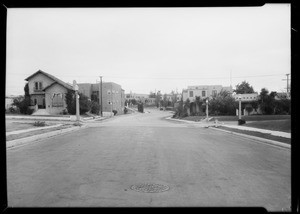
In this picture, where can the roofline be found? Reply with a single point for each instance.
(55, 79)
(49, 86)
(39, 71)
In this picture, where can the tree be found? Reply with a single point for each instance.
(243, 88)
(133, 101)
(198, 103)
(140, 107)
(187, 106)
(95, 107)
(157, 99)
(23, 102)
(282, 106)
(266, 101)
(71, 102)
(223, 104)
(84, 103)
(254, 105)
(165, 100)
(179, 110)
(26, 90)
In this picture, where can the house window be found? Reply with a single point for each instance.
(57, 100)
(191, 93)
(108, 92)
(38, 86)
(109, 102)
(203, 93)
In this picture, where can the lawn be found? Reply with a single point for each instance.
(235, 118)
(36, 132)
(270, 122)
(14, 126)
(278, 125)
(258, 134)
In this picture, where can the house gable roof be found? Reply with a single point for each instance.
(56, 80)
(49, 86)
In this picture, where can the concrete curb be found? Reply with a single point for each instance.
(38, 118)
(272, 142)
(33, 129)
(201, 123)
(274, 133)
(21, 141)
(185, 121)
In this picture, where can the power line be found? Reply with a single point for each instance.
(146, 77)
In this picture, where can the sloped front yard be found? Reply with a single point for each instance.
(36, 132)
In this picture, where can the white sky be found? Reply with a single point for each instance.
(148, 49)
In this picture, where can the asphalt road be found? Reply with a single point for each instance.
(96, 167)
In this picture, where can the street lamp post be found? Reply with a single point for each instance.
(100, 97)
(206, 109)
(240, 106)
(77, 101)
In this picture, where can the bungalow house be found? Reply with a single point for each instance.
(47, 93)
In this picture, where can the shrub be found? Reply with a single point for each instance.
(84, 103)
(29, 111)
(249, 109)
(39, 123)
(185, 114)
(12, 109)
(115, 112)
(125, 110)
(95, 108)
(241, 121)
(22, 104)
(140, 107)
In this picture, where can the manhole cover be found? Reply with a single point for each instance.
(150, 188)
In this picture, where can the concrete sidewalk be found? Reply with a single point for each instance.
(265, 131)
(230, 124)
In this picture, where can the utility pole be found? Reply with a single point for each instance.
(287, 84)
(100, 97)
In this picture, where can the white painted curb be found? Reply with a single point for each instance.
(43, 136)
(272, 142)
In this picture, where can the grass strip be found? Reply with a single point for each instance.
(258, 134)
(31, 133)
